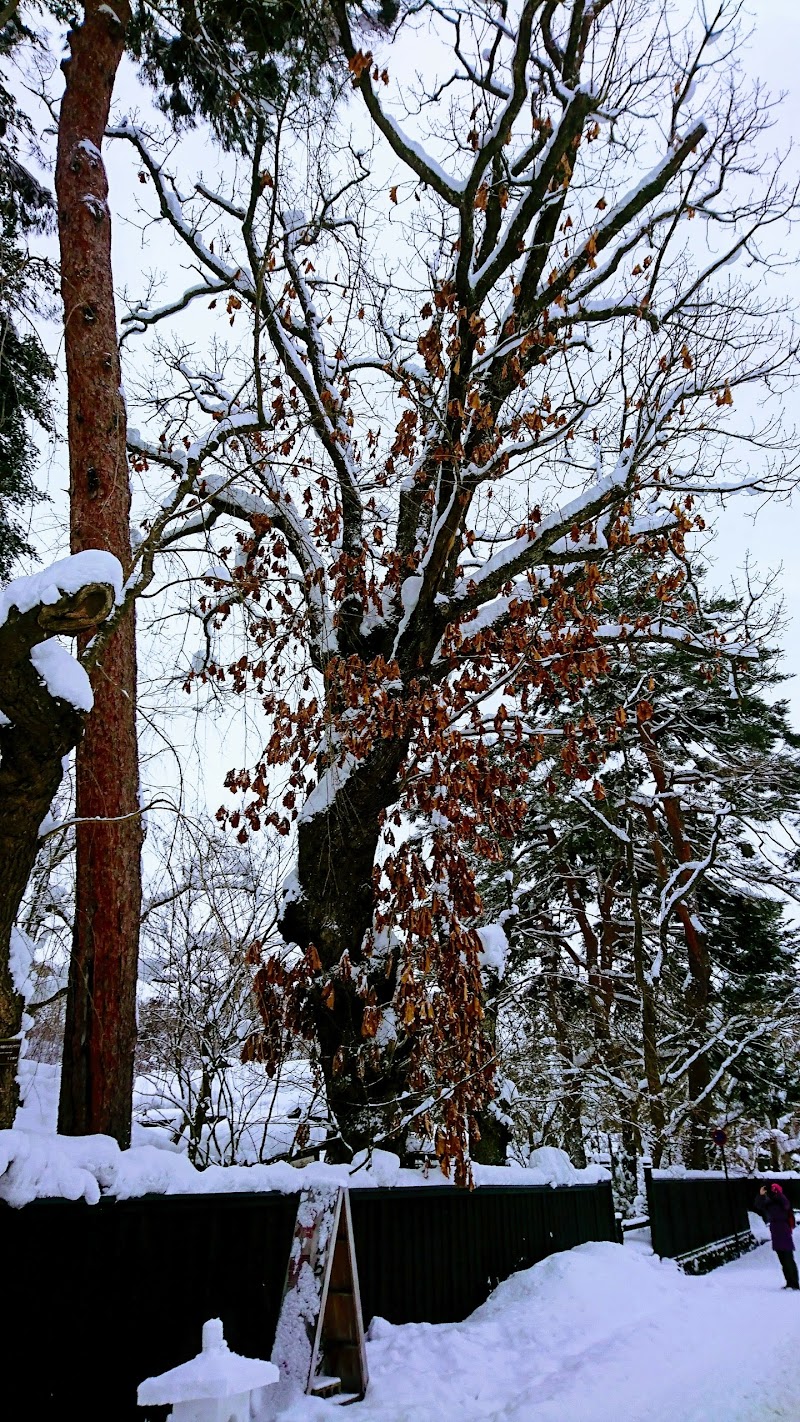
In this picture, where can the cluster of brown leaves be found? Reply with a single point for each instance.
(464, 801)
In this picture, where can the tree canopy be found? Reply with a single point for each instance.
(470, 318)
(494, 339)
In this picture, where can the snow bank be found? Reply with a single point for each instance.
(36, 1163)
(759, 1228)
(68, 575)
(249, 1118)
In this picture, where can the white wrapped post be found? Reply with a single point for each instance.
(319, 1341)
(216, 1386)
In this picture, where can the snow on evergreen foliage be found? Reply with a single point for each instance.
(676, 858)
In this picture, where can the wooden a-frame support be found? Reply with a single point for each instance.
(319, 1341)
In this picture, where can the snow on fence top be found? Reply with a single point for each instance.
(35, 1165)
(736, 1169)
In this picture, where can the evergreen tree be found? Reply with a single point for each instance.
(228, 63)
(758, 954)
(25, 281)
(648, 941)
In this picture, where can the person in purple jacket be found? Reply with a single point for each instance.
(774, 1207)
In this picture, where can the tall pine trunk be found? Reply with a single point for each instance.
(97, 1079)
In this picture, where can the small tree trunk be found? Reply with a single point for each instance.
(28, 783)
(647, 998)
(630, 1150)
(571, 1100)
(698, 993)
(97, 1077)
(489, 1145)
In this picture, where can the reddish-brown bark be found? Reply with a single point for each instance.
(100, 1036)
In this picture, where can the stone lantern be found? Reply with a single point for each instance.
(216, 1386)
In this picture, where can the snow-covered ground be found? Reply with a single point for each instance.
(602, 1333)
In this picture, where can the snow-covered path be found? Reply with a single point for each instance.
(603, 1333)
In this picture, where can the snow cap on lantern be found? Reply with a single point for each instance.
(213, 1387)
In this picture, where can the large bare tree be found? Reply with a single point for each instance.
(493, 333)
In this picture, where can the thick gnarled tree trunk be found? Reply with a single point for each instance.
(37, 732)
(333, 911)
(97, 1078)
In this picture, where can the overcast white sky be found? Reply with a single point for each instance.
(773, 54)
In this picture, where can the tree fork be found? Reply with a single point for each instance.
(97, 1077)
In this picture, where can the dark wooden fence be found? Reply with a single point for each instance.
(686, 1215)
(99, 1297)
(435, 1254)
(690, 1214)
(748, 1186)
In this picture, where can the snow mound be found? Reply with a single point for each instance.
(600, 1333)
(216, 1372)
(557, 1166)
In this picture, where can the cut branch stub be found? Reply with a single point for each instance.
(79, 612)
(24, 698)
